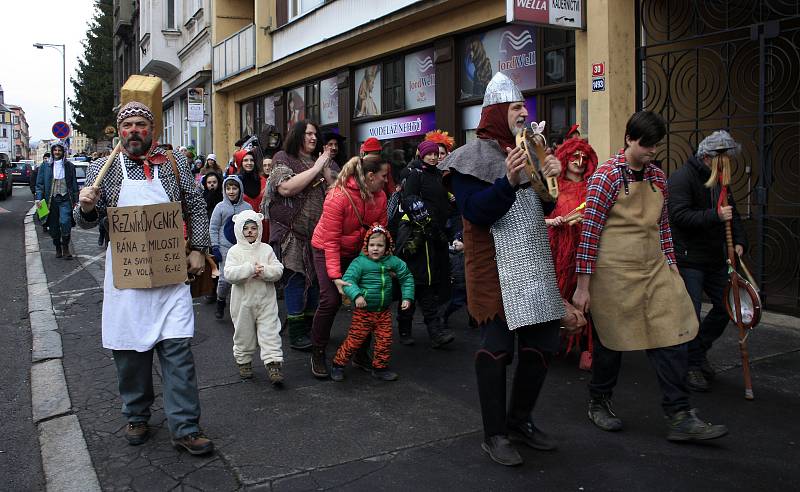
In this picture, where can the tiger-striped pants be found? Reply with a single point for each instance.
(365, 322)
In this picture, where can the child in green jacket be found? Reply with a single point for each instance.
(369, 286)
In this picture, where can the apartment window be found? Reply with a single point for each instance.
(169, 124)
(312, 102)
(300, 7)
(169, 15)
(393, 85)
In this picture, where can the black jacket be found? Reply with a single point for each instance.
(698, 233)
(427, 186)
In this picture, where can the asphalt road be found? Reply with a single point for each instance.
(422, 432)
(20, 462)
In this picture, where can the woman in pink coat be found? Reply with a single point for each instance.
(353, 203)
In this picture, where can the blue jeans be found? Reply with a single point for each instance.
(713, 283)
(298, 300)
(59, 220)
(181, 397)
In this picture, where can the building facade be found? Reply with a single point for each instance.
(6, 128)
(175, 42)
(42, 147)
(21, 133)
(126, 42)
(397, 69)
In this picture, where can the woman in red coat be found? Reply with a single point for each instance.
(565, 234)
(355, 201)
(253, 182)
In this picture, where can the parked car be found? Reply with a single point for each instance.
(6, 179)
(21, 171)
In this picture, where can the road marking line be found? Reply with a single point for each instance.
(81, 266)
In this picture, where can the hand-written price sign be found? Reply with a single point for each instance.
(147, 245)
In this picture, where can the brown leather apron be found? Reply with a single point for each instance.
(637, 301)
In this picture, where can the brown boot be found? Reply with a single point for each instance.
(137, 433)
(195, 443)
(275, 374)
(319, 366)
(65, 248)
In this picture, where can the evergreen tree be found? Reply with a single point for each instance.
(92, 108)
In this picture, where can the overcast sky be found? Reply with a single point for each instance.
(30, 77)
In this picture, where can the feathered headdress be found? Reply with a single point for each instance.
(442, 138)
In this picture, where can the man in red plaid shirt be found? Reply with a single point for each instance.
(626, 267)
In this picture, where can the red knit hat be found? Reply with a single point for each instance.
(371, 145)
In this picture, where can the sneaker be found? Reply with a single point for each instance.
(301, 343)
(274, 373)
(686, 426)
(337, 373)
(696, 381)
(362, 361)
(501, 451)
(601, 415)
(384, 375)
(195, 443)
(246, 370)
(442, 337)
(137, 433)
(319, 366)
(531, 435)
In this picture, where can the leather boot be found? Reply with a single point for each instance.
(528, 382)
(490, 370)
(319, 366)
(298, 332)
(404, 330)
(59, 253)
(65, 248)
(220, 312)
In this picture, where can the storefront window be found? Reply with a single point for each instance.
(393, 85)
(420, 79)
(312, 102)
(509, 49)
(559, 56)
(295, 107)
(368, 91)
(329, 101)
(248, 122)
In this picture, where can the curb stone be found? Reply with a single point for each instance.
(65, 458)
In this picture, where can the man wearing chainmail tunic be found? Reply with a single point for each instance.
(511, 283)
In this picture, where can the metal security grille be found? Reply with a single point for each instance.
(734, 65)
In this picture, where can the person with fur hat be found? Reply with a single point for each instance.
(252, 267)
(698, 232)
(211, 165)
(511, 284)
(423, 244)
(564, 229)
(369, 279)
(222, 235)
(57, 183)
(139, 323)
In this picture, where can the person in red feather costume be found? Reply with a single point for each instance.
(564, 227)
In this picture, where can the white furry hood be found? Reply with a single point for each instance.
(238, 227)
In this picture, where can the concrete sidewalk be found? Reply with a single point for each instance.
(424, 431)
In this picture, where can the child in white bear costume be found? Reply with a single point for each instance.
(252, 268)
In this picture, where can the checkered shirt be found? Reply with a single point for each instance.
(603, 188)
(111, 185)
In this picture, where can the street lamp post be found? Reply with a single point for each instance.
(63, 50)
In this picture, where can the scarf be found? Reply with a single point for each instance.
(251, 182)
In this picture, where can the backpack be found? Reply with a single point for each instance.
(394, 205)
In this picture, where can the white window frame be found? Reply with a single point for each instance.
(296, 8)
(169, 124)
(173, 26)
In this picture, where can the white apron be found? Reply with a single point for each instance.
(137, 319)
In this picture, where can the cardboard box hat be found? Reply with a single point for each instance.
(145, 89)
